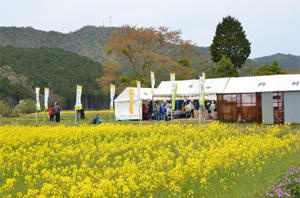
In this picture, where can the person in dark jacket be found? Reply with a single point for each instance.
(82, 114)
(150, 110)
(51, 113)
(57, 112)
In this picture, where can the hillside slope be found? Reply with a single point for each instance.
(284, 60)
(88, 41)
(57, 69)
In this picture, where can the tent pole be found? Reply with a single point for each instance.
(110, 116)
(172, 114)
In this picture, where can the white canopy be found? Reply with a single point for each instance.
(122, 103)
(272, 83)
(190, 89)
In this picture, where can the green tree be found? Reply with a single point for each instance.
(4, 109)
(230, 40)
(269, 69)
(224, 68)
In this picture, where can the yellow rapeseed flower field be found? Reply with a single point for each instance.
(157, 160)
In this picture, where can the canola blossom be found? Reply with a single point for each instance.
(157, 160)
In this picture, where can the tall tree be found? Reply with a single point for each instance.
(134, 52)
(230, 40)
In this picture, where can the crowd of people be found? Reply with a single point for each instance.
(162, 111)
(157, 111)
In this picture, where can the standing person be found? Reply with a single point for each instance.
(162, 111)
(57, 112)
(212, 109)
(187, 110)
(192, 108)
(82, 114)
(157, 111)
(144, 110)
(150, 110)
(51, 113)
(169, 109)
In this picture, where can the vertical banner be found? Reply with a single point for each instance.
(138, 86)
(174, 98)
(152, 82)
(78, 97)
(173, 87)
(112, 95)
(46, 97)
(131, 94)
(202, 89)
(37, 94)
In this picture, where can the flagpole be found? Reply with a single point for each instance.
(110, 103)
(36, 120)
(75, 104)
(44, 115)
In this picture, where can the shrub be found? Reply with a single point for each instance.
(4, 109)
(25, 106)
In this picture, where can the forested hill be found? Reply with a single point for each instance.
(88, 41)
(284, 60)
(57, 69)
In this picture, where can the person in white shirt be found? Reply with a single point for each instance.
(212, 109)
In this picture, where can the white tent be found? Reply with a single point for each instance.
(189, 89)
(122, 103)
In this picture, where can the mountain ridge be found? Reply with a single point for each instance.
(90, 40)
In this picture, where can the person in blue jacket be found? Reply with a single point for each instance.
(96, 120)
(162, 111)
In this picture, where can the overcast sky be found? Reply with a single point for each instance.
(272, 26)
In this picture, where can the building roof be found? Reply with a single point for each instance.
(272, 83)
(190, 88)
(124, 96)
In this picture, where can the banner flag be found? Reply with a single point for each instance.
(112, 95)
(78, 97)
(131, 94)
(152, 82)
(174, 98)
(37, 94)
(46, 97)
(138, 85)
(173, 87)
(202, 89)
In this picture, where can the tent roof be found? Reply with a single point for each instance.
(286, 82)
(190, 88)
(124, 96)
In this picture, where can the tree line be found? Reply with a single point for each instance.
(55, 68)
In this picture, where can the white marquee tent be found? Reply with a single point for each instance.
(280, 95)
(122, 103)
(272, 83)
(189, 89)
